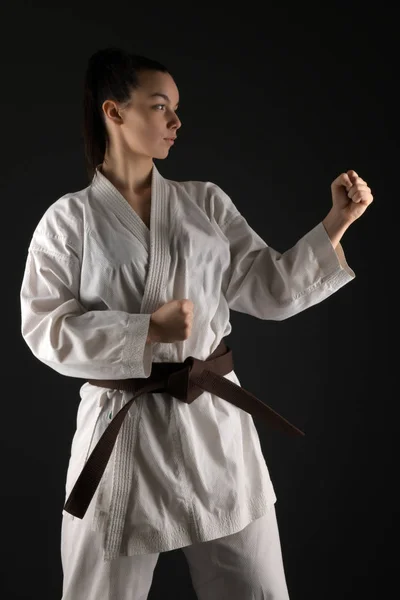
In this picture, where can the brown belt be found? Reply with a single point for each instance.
(184, 381)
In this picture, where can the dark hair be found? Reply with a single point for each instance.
(111, 74)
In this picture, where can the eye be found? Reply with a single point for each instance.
(158, 105)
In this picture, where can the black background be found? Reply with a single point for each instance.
(275, 103)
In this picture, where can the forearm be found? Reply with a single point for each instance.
(335, 227)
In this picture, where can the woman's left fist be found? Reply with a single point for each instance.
(351, 196)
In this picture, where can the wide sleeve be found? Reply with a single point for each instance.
(92, 344)
(268, 284)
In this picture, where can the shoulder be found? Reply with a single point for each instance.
(208, 196)
(60, 229)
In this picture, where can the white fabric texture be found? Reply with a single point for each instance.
(247, 565)
(179, 474)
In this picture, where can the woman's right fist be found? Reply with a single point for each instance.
(172, 322)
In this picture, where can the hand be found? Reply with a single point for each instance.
(172, 322)
(351, 196)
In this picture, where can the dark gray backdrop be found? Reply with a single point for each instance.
(274, 106)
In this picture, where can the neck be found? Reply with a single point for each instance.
(130, 174)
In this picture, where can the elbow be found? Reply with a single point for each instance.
(44, 339)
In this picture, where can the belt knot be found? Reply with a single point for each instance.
(180, 383)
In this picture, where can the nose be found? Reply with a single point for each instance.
(176, 123)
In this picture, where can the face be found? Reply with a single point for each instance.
(149, 121)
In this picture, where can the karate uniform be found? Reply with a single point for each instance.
(179, 473)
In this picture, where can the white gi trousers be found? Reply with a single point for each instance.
(246, 565)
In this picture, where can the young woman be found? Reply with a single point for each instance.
(127, 279)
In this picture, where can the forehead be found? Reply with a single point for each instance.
(151, 82)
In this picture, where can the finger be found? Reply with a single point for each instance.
(357, 180)
(353, 175)
(358, 188)
(357, 197)
(342, 180)
(361, 196)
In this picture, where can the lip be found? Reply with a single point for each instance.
(170, 140)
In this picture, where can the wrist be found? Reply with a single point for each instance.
(152, 335)
(335, 226)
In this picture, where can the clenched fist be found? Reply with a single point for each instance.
(172, 322)
(351, 196)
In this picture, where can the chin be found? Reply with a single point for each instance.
(161, 155)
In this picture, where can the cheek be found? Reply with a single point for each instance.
(145, 129)
(150, 126)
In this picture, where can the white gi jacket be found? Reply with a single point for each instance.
(179, 473)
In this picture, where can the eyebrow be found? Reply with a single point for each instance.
(162, 96)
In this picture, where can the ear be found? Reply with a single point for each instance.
(111, 111)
